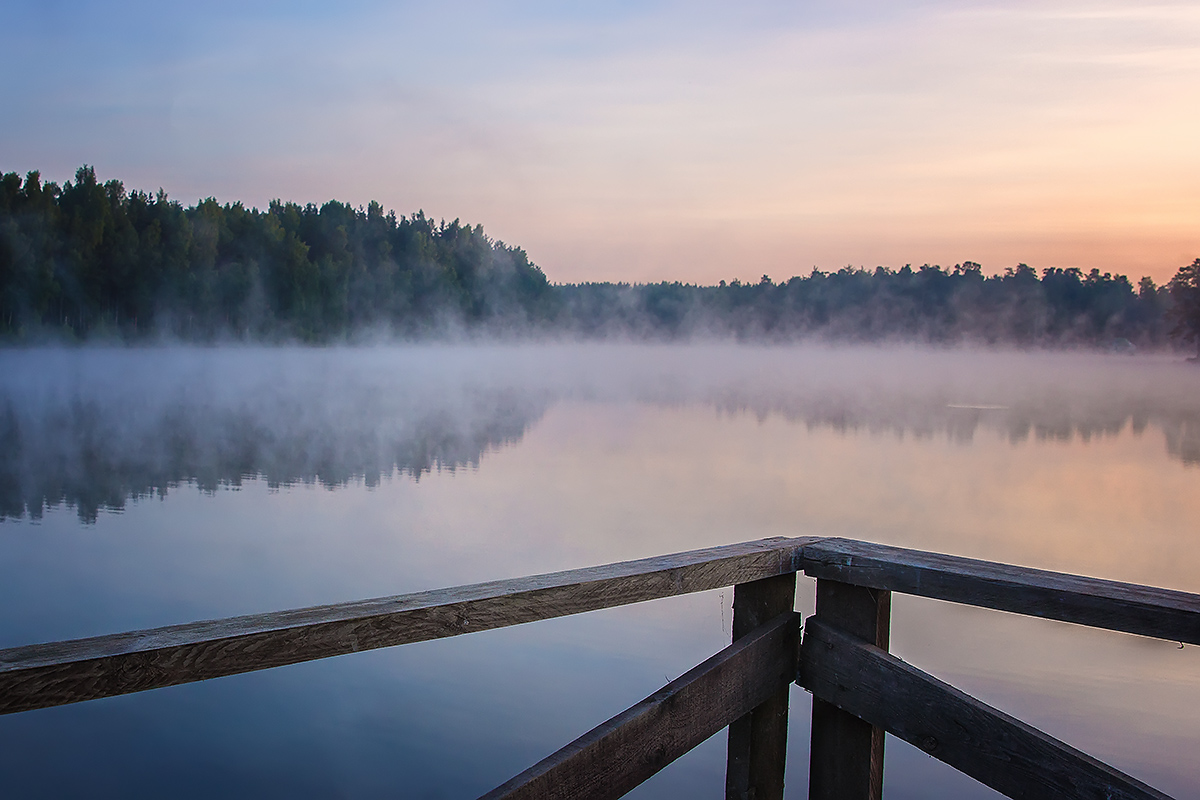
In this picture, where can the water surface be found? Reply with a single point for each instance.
(147, 487)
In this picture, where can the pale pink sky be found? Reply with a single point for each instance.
(656, 141)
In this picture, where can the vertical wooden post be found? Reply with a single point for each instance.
(758, 740)
(847, 753)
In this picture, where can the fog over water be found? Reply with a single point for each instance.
(94, 428)
(142, 487)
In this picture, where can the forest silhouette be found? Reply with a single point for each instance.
(91, 260)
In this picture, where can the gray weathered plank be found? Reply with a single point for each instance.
(616, 756)
(1128, 607)
(41, 675)
(846, 752)
(757, 746)
(1004, 753)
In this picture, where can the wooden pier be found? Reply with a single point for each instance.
(840, 655)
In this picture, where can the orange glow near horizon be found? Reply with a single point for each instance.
(671, 142)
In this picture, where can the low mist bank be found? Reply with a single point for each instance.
(94, 428)
(89, 260)
(1060, 309)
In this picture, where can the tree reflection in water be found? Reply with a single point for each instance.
(95, 429)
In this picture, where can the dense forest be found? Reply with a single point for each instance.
(928, 304)
(92, 260)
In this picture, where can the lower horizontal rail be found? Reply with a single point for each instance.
(613, 758)
(43, 675)
(1004, 753)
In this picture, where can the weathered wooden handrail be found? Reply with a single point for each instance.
(1127, 607)
(859, 689)
(1013, 758)
(615, 757)
(854, 585)
(42, 675)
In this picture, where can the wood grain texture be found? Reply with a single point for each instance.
(1128, 607)
(757, 745)
(613, 758)
(846, 752)
(1004, 753)
(42, 675)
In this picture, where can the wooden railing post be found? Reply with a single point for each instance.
(758, 740)
(846, 761)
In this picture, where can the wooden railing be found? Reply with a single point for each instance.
(859, 690)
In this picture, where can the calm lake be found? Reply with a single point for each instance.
(145, 487)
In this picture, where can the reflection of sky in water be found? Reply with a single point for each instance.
(573, 458)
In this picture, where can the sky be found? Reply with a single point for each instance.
(647, 141)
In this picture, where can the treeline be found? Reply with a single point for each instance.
(90, 259)
(1061, 307)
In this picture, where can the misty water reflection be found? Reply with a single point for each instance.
(450, 465)
(95, 429)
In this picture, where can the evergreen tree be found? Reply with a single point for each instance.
(1185, 298)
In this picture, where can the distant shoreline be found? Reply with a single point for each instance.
(91, 261)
